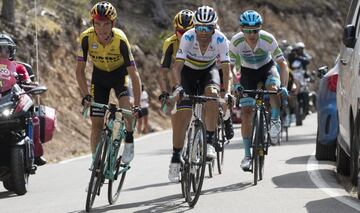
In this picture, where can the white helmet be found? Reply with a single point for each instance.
(299, 45)
(205, 15)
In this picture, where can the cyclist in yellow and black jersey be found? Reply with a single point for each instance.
(110, 53)
(182, 22)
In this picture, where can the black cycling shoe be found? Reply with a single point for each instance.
(218, 147)
(39, 161)
(229, 130)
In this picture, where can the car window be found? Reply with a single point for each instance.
(351, 12)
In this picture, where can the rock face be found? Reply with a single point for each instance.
(318, 23)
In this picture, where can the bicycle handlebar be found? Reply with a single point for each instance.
(107, 107)
(260, 92)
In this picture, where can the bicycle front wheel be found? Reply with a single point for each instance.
(119, 172)
(255, 147)
(221, 143)
(196, 164)
(261, 145)
(97, 176)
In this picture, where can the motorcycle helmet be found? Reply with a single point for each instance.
(7, 42)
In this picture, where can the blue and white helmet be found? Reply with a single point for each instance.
(250, 18)
(205, 15)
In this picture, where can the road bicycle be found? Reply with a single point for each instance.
(193, 157)
(221, 140)
(260, 137)
(107, 163)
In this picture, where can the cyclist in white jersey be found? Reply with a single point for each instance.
(195, 66)
(254, 51)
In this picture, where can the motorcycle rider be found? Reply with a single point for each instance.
(7, 53)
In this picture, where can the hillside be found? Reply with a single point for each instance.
(318, 23)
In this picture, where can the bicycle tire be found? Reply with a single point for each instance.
(120, 177)
(221, 141)
(196, 179)
(261, 142)
(97, 172)
(255, 143)
(184, 167)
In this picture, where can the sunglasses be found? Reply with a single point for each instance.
(248, 31)
(202, 28)
(180, 31)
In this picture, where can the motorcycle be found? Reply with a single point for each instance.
(16, 129)
(302, 106)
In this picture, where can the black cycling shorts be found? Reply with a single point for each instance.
(250, 78)
(101, 84)
(194, 82)
(144, 111)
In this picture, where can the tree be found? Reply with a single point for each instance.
(8, 10)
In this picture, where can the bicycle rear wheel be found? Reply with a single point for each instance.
(196, 164)
(97, 176)
(120, 169)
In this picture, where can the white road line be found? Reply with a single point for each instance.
(339, 193)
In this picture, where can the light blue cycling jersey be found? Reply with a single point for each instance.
(266, 49)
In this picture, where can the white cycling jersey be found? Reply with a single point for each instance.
(266, 49)
(189, 50)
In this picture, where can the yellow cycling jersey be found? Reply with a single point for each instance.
(106, 58)
(170, 47)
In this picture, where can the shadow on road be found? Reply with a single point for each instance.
(149, 186)
(301, 180)
(174, 203)
(298, 160)
(7, 194)
(330, 205)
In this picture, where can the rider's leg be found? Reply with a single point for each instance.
(180, 121)
(273, 83)
(96, 127)
(128, 153)
(211, 117)
(246, 127)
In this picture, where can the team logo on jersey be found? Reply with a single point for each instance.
(220, 40)
(94, 45)
(189, 38)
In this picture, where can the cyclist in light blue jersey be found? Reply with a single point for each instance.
(255, 51)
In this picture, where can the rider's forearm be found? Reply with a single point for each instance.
(163, 78)
(284, 73)
(136, 84)
(81, 79)
(226, 69)
(176, 72)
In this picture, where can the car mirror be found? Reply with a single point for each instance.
(349, 38)
(322, 71)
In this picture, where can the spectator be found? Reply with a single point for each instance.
(144, 104)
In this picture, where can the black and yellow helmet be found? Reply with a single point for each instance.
(184, 20)
(103, 10)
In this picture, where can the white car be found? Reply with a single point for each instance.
(348, 98)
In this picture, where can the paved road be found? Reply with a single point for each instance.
(294, 182)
